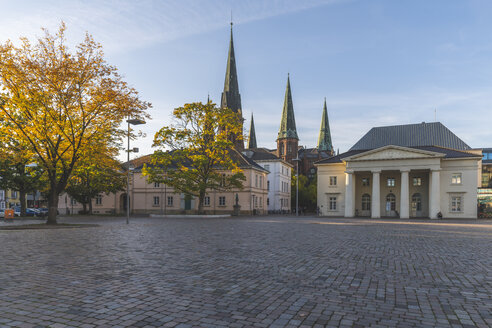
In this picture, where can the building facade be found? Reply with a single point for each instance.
(416, 170)
(485, 188)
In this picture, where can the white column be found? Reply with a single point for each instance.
(349, 194)
(404, 195)
(376, 196)
(435, 194)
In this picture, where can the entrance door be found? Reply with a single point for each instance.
(187, 202)
(390, 205)
(366, 205)
(416, 205)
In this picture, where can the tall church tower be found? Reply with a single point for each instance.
(324, 139)
(230, 96)
(287, 139)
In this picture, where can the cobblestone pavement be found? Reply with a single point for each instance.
(248, 272)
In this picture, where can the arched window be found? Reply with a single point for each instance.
(390, 202)
(417, 202)
(366, 202)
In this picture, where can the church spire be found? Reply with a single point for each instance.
(288, 122)
(231, 97)
(252, 135)
(324, 140)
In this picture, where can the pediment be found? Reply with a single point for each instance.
(393, 153)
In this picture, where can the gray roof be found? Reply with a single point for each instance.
(422, 134)
(448, 153)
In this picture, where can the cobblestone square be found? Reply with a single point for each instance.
(248, 272)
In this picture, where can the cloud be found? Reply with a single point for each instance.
(125, 25)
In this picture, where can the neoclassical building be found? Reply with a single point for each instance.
(415, 170)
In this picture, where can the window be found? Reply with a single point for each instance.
(289, 148)
(14, 194)
(223, 180)
(206, 201)
(261, 202)
(99, 200)
(366, 202)
(267, 167)
(170, 200)
(256, 180)
(156, 200)
(366, 181)
(391, 182)
(417, 181)
(456, 204)
(222, 201)
(268, 201)
(333, 181)
(261, 181)
(255, 201)
(157, 184)
(73, 201)
(281, 149)
(332, 204)
(456, 178)
(268, 185)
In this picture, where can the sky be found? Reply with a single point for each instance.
(378, 62)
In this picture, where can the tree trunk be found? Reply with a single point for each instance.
(22, 197)
(52, 206)
(90, 206)
(84, 208)
(201, 198)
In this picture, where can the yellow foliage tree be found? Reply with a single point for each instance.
(57, 101)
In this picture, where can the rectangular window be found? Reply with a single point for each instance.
(417, 181)
(261, 202)
(267, 167)
(223, 180)
(332, 204)
(14, 194)
(157, 184)
(99, 200)
(261, 181)
(456, 204)
(156, 200)
(391, 182)
(333, 181)
(170, 200)
(366, 181)
(73, 201)
(268, 201)
(222, 201)
(268, 185)
(456, 178)
(256, 180)
(206, 201)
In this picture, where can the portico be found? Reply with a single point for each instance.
(383, 177)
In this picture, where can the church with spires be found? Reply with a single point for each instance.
(288, 149)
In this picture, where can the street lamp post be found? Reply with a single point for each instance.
(132, 122)
(297, 184)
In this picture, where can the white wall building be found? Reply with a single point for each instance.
(416, 170)
(279, 179)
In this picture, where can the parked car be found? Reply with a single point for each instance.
(16, 211)
(43, 211)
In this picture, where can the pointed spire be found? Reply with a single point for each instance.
(288, 122)
(252, 135)
(231, 97)
(324, 140)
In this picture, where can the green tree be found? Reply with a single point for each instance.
(196, 153)
(55, 101)
(307, 193)
(97, 172)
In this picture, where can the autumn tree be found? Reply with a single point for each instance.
(196, 153)
(96, 172)
(55, 101)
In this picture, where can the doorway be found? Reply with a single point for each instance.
(187, 202)
(416, 206)
(390, 205)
